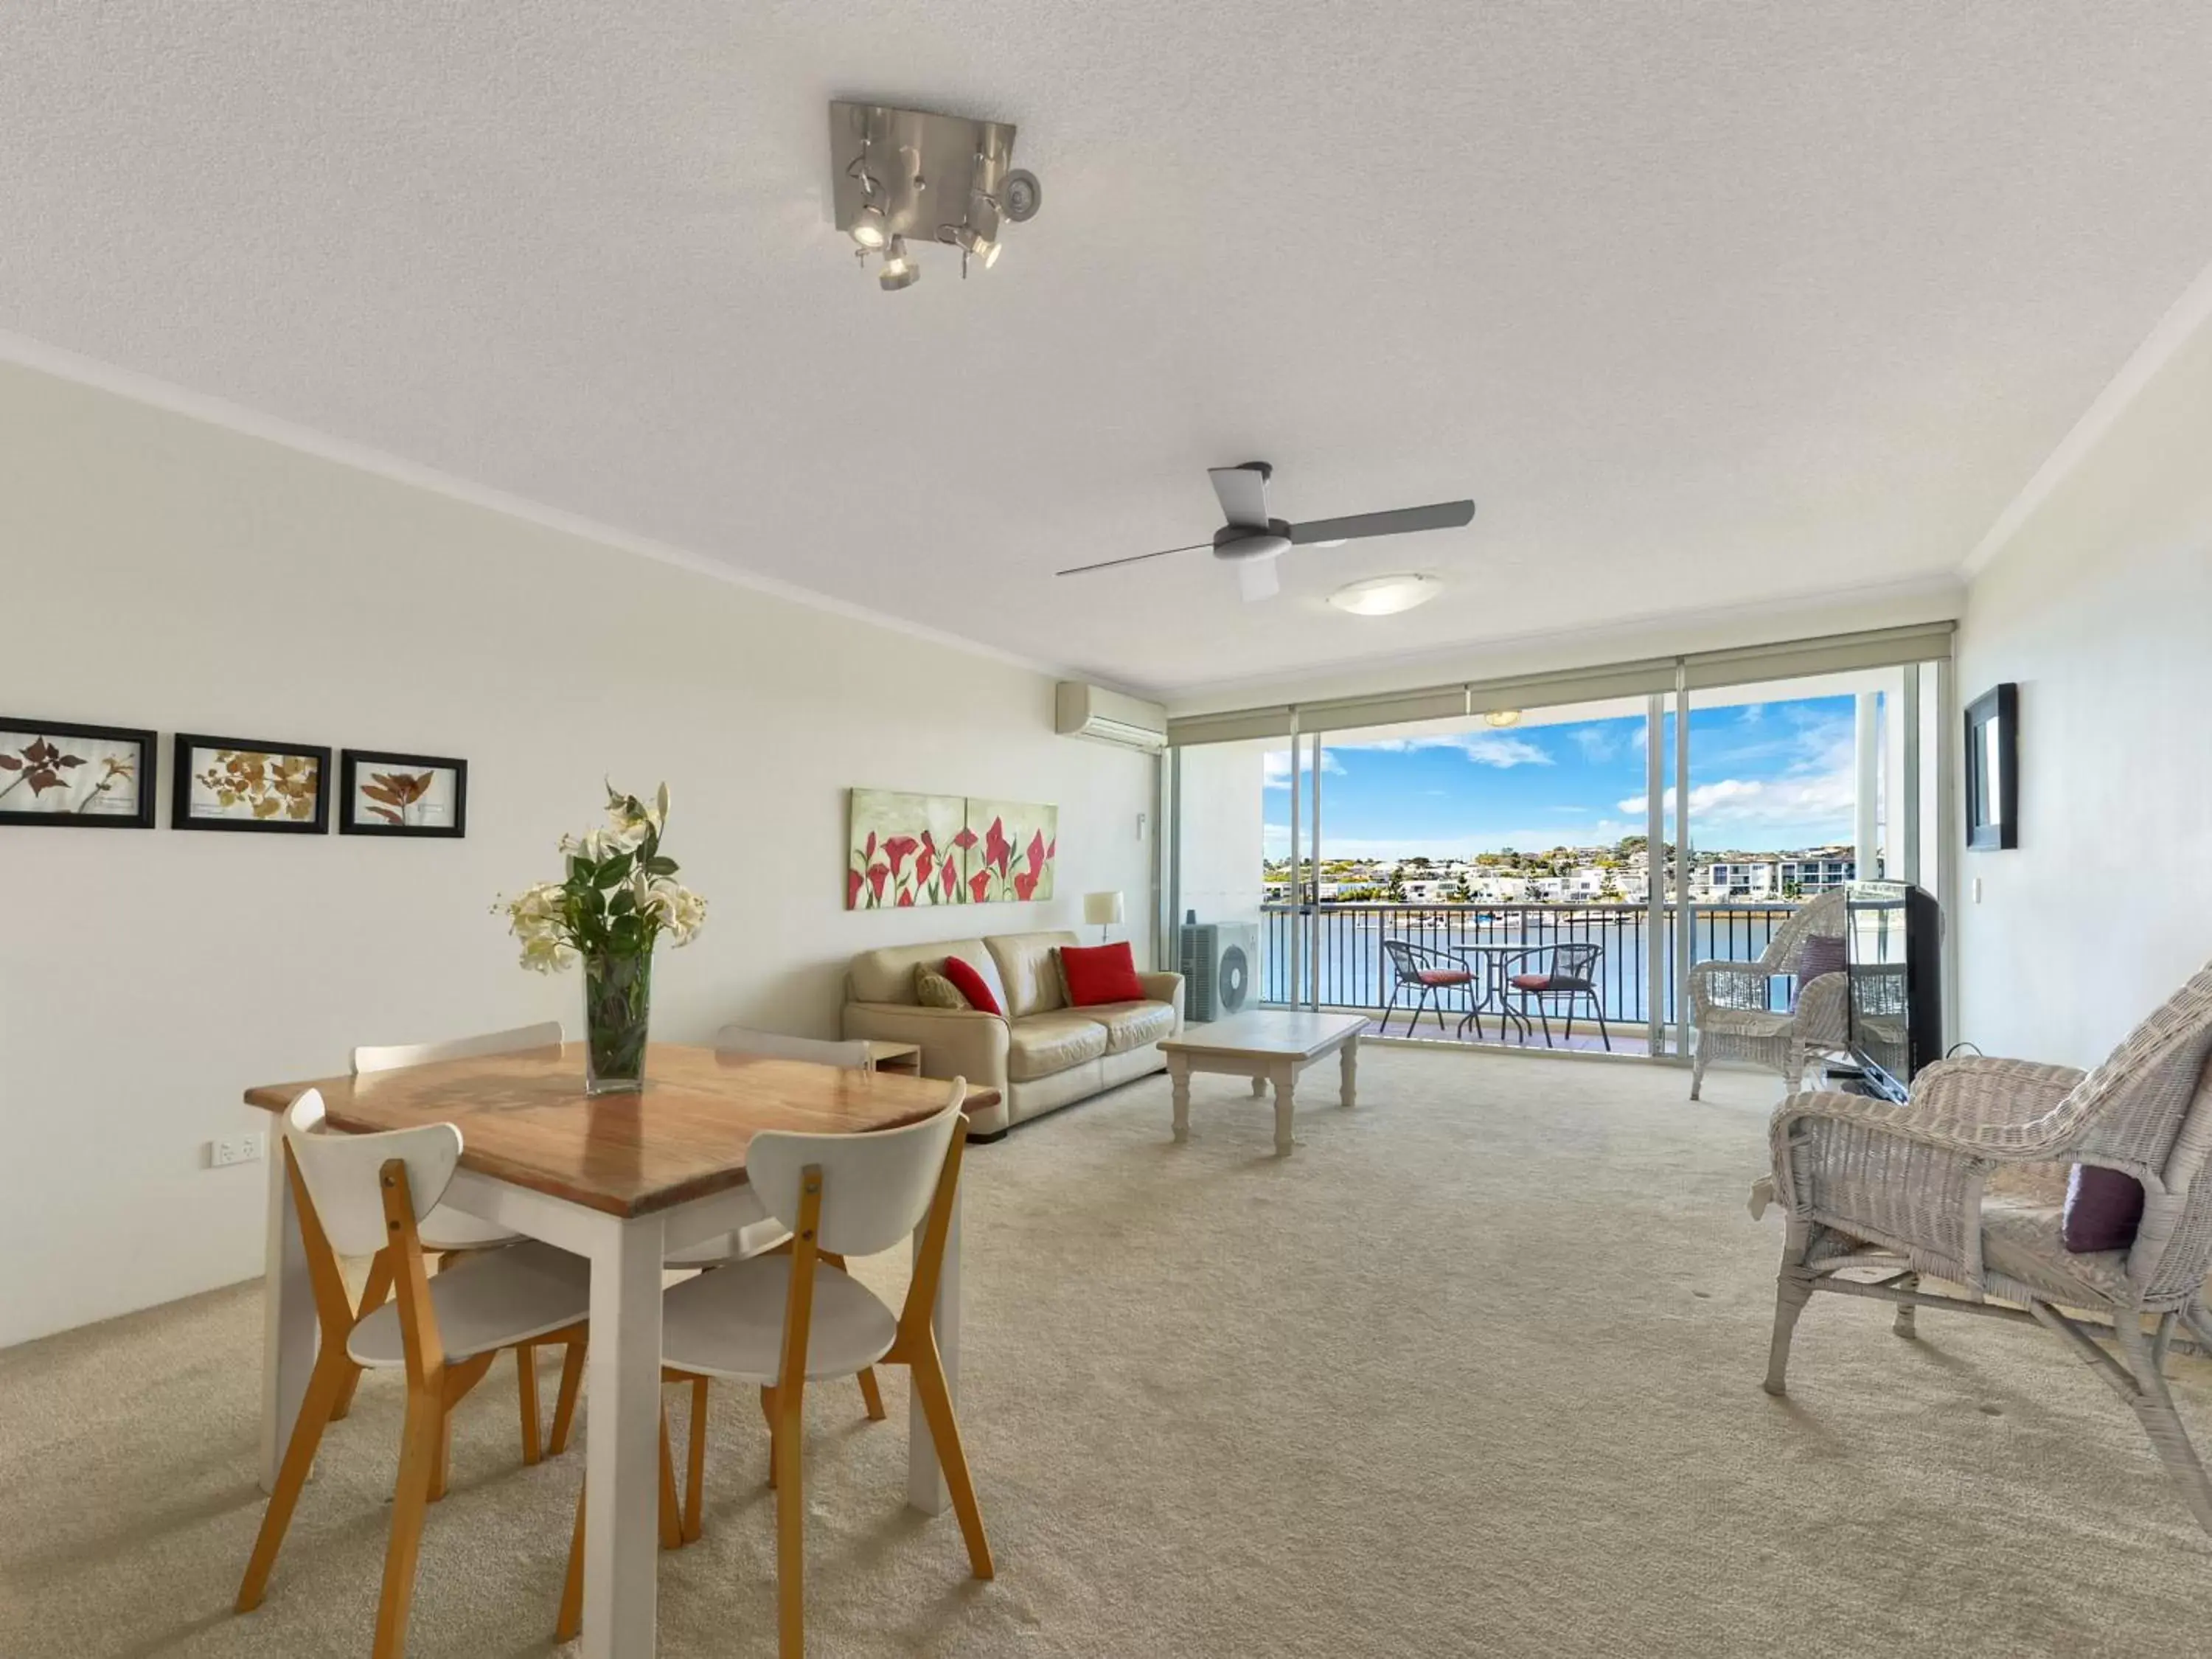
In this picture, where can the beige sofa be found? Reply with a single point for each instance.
(1042, 1053)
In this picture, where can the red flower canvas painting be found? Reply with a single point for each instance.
(904, 851)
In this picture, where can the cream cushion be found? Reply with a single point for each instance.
(1027, 969)
(887, 975)
(1132, 1025)
(1043, 1044)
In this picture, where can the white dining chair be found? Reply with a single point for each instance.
(358, 1195)
(446, 1231)
(782, 1320)
(724, 1248)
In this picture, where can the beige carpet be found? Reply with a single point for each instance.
(1477, 1371)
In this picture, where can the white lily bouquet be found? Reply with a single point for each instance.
(620, 896)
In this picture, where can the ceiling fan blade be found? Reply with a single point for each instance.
(1243, 493)
(1134, 559)
(1444, 515)
(1258, 578)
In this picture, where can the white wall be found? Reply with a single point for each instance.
(160, 572)
(2100, 607)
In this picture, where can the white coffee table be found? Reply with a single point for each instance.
(1271, 1046)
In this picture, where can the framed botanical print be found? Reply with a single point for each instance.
(242, 783)
(381, 794)
(85, 777)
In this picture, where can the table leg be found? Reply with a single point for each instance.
(1347, 1065)
(622, 1531)
(924, 1482)
(1259, 1088)
(1285, 1086)
(1179, 1084)
(287, 1320)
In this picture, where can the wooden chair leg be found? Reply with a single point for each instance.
(454, 1389)
(419, 1457)
(872, 1396)
(928, 1373)
(375, 1292)
(790, 1536)
(672, 1518)
(570, 1623)
(330, 1375)
(768, 1412)
(564, 1405)
(525, 1382)
(694, 1492)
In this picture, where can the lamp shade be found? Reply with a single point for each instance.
(1101, 909)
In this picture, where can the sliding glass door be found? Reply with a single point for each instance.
(1544, 860)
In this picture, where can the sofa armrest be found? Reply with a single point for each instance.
(1164, 987)
(954, 1042)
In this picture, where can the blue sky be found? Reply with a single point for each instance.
(1763, 777)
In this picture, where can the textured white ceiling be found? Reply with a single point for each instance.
(1705, 304)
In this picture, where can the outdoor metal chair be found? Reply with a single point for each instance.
(1430, 974)
(1563, 973)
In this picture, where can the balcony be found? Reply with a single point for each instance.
(1354, 973)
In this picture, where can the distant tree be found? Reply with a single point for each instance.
(1397, 889)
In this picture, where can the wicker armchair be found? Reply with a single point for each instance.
(1899, 1188)
(1730, 1001)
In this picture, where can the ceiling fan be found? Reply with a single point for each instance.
(1252, 541)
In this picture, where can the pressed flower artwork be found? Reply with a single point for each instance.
(235, 783)
(53, 772)
(381, 794)
(900, 852)
(908, 850)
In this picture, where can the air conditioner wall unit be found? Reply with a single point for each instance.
(1220, 963)
(1092, 711)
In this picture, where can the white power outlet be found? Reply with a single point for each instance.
(239, 1149)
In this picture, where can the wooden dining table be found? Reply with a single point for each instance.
(622, 1180)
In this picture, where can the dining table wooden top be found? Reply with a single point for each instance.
(525, 1117)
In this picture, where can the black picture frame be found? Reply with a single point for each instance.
(1993, 747)
(189, 744)
(13, 773)
(354, 760)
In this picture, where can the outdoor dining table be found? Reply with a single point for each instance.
(622, 1180)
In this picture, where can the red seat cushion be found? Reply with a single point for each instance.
(1445, 976)
(971, 985)
(1099, 973)
(1550, 982)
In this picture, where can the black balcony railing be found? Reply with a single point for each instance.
(1349, 968)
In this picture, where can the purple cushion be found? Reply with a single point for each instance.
(2103, 1208)
(1821, 953)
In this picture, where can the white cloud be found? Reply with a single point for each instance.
(1596, 743)
(1275, 766)
(1498, 749)
(1816, 789)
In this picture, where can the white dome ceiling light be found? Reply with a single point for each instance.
(1386, 596)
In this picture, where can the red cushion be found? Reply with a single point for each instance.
(1100, 973)
(1445, 976)
(1532, 982)
(971, 985)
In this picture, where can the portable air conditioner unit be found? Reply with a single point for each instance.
(1220, 969)
(1092, 711)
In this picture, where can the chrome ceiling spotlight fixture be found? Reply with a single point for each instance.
(869, 226)
(899, 268)
(963, 166)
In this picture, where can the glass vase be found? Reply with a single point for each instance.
(617, 1008)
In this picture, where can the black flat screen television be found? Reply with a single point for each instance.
(1893, 938)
